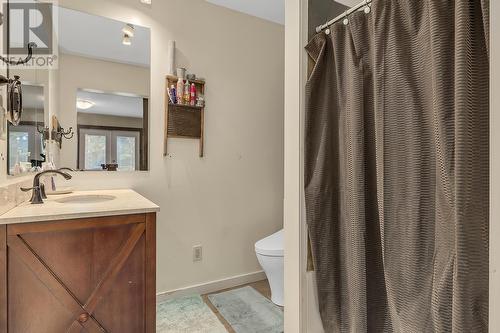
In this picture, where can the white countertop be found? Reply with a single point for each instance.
(124, 202)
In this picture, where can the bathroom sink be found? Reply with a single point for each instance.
(86, 199)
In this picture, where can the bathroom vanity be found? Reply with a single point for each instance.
(81, 262)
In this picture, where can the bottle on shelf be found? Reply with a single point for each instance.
(173, 94)
(180, 91)
(186, 93)
(192, 95)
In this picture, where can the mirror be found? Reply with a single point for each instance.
(99, 91)
(104, 78)
(111, 131)
(25, 143)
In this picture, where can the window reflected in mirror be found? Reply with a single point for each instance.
(112, 129)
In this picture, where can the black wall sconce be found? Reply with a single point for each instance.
(44, 132)
(58, 132)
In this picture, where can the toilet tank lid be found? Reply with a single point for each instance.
(271, 245)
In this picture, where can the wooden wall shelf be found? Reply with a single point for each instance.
(183, 121)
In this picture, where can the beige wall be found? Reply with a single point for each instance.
(84, 73)
(233, 196)
(494, 167)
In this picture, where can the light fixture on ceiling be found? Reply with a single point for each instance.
(147, 2)
(126, 40)
(84, 104)
(128, 30)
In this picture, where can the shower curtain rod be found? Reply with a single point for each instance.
(341, 16)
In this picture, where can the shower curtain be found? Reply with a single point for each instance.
(396, 168)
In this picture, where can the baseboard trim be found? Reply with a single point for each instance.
(212, 286)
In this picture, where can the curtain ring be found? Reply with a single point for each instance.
(346, 20)
(367, 9)
(327, 31)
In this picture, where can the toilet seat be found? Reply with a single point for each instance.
(271, 245)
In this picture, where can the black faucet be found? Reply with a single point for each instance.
(42, 186)
(66, 168)
(38, 189)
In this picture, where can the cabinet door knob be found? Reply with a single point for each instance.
(83, 317)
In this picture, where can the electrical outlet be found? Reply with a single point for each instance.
(197, 253)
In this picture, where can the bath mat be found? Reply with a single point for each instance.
(187, 315)
(247, 311)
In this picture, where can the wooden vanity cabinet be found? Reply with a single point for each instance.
(82, 275)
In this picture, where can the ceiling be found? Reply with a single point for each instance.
(101, 38)
(271, 10)
(112, 104)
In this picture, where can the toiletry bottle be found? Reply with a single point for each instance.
(173, 94)
(186, 93)
(170, 97)
(192, 100)
(180, 91)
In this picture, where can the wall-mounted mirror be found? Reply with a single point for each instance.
(25, 131)
(25, 144)
(104, 78)
(100, 89)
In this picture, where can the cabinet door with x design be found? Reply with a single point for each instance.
(84, 275)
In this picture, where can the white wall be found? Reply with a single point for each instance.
(233, 196)
(295, 231)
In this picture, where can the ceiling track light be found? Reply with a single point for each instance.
(128, 30)
(84, 104)
(126, 40)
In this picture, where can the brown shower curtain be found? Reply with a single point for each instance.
(396, 168)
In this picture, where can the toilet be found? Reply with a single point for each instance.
(269, 252)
